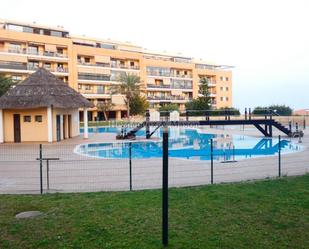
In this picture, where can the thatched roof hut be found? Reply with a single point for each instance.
(41, 108)
(43, 89)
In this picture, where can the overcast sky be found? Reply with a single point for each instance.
(266, 41)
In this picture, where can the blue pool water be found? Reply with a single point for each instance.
(187, 143)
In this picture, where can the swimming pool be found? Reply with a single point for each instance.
(187, 143)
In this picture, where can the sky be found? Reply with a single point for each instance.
(267, 42)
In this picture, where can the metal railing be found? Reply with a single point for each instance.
(32, 52)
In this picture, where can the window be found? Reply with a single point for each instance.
(15, 27)
(46, 32)
(221, 88)
(16, 78)
(36, 31)
(79, 86)
(38, 118)
(227, 88)
(226, 78)
(56, 33)
(27, 119)
(27, 30)
(32, 50)
(47, 66)
(33, 65)
(87, 60)
(14, 48)
(221, 78)
(60, 50)
(185, 72)
(132, 63)
(227, 98)
(222, 98)
(88, 87)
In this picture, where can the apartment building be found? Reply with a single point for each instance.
(92, 66)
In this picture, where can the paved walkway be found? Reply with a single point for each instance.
(19, 169)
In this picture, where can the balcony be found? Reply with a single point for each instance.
(211, 83)
(13, 65)
(169, 74)
(80, 63)
(33, 52)
(108, 65)
(167, 98)
(54, 54)
(124, 67)
(170, 87)
(99, 77)
(159, 86)
(158, 73)
(26, 67)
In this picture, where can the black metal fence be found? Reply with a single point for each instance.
(48, 168)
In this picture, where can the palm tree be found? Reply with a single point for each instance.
(129, 87)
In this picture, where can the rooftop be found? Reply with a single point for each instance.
(42, 89)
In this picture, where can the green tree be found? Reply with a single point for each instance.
(138, 105)
(204, 97)
(129, 87)
(5, 84)
(105, 107)
(168, 108)
(281, 110)
(203, 102)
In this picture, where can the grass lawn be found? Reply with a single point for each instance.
(262, 214)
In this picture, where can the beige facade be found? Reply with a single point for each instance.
(91, 66)
(34, 125)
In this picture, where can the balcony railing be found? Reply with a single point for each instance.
(93, 65)
(210, 82)
(23, 66)
(167, 98)
(13, 65)
(54, 54)
(173, 86)
(169, 74)
(94, 77)
(156, 73)
(108, 65)
(124, 67)
(158, 86)
(33, 52)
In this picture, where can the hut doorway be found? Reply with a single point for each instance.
(58, 131)
(17, 136)
(69, 125)
(64, 124)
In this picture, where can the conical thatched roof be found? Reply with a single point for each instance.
(42, 89)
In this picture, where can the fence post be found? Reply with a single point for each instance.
(41, 170)
(304, 123)
(279, 156)
(47, 174)
(130, 164)
(211, 162)
(165, 188)
(147, 124)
